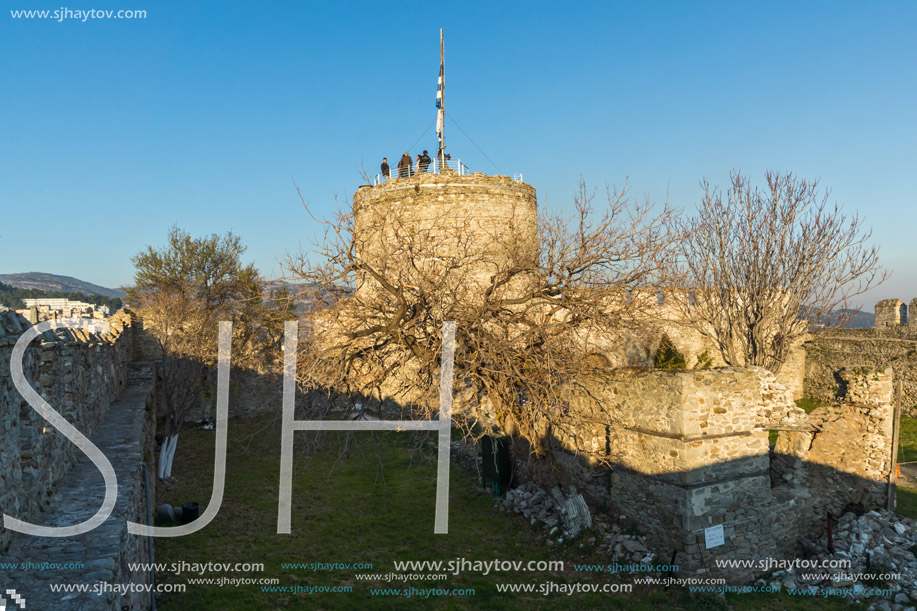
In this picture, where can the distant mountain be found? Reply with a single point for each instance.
(303, 296)
(54, 283)
(858, 320)
(861, 320)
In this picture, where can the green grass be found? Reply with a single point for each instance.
(907, 440)
(906, 502)
(343, 512)
(906, 498)
(807, 404)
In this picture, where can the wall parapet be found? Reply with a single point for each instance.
(79, 374)
(895, 314)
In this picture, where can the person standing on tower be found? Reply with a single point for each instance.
(386, 172)
(405, 165)
(425, 161)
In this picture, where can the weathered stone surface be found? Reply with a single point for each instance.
(689, 450)
(892, 343)
(79, 375)
(431, 207)
(877, 542)
(46, 480)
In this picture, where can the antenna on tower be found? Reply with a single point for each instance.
(441, 102)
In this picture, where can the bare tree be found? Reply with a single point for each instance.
(764, 264)
(527, 302)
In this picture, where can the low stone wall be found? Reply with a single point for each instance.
(106, 552)
(829, 352)
(134, 446)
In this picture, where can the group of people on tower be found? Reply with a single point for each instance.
(406, 166)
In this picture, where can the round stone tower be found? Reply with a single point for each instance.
(479, 223)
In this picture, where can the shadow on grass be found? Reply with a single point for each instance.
(343, 512)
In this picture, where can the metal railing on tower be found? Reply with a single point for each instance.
(433, 168)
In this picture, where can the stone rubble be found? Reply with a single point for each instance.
(616, 544)
(887, 541)
(541, 508)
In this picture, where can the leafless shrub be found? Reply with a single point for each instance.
(764, 264)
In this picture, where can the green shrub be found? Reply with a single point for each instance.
(668, 357)
(704, 360)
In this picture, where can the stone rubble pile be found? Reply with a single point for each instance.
(535, 504)
(539, 507)
(11, 323)
(616, 544)
(875, 543)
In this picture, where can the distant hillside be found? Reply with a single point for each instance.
(859, 320)
(13, 297)
(60, 284)
(302, 296)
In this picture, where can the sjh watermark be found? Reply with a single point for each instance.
(289, 427)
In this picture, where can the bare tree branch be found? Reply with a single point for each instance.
(529, 303)
(762, 265)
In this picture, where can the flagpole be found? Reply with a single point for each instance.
(441, 119)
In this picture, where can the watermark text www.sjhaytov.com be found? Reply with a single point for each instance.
(66, 14)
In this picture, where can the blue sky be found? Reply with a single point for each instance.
(203, 114)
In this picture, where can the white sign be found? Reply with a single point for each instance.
(713, 536)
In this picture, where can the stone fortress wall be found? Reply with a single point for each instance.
(891, 343)
(495, 213)
(684, 451)
(667, 315)
(81, 374)
(814, 364)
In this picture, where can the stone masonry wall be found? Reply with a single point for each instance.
(79, 374)
(856, 433)
(107, 552)
(477, 219)
(891, 343)
(830, 352)
(689, 450)
(667, 318)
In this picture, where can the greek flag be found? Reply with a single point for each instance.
(441, 111)
(439, 88)
(439, 102)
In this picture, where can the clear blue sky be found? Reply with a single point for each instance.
(203, 114)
